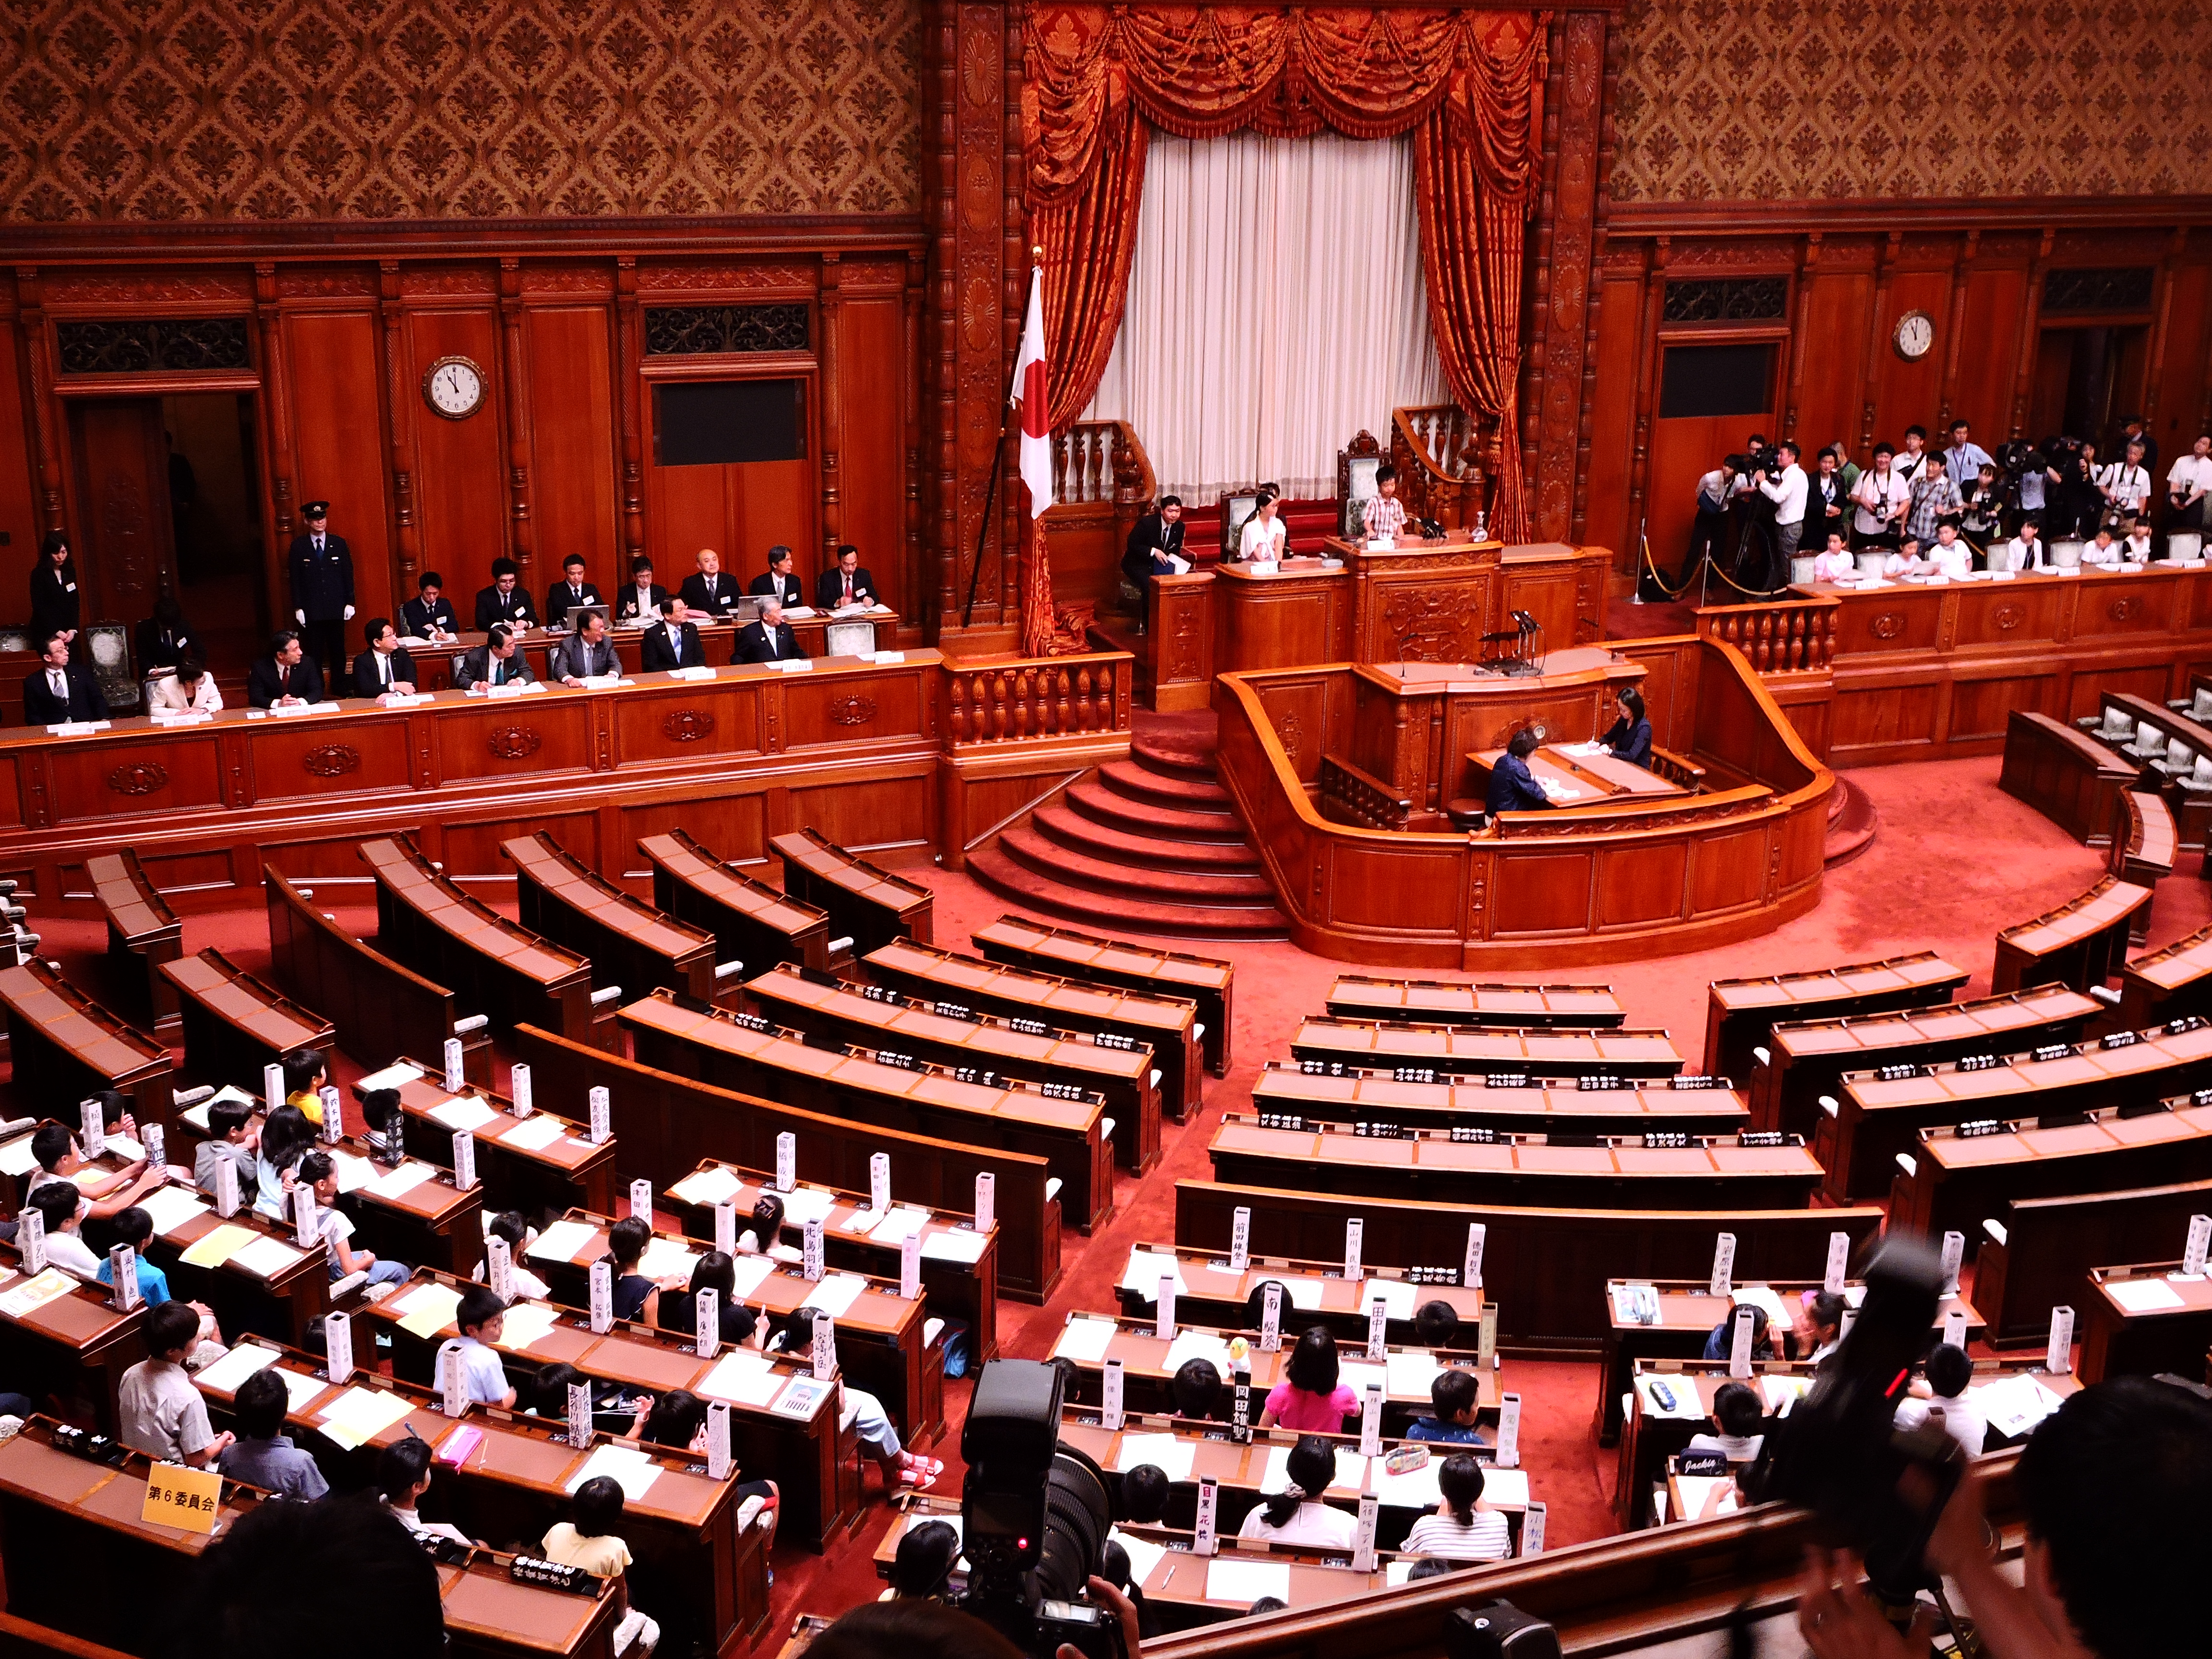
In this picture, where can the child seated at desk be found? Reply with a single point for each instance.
(1310, 1396)
(2102, 552)
(134, 1227)
(336, 1229)
(1834, 562)
(233, 1138)
(679, 1311)
(1436, 1322)
(1905, 560)
(1296, 1514)
(1460, 1528)
(902, 1471)
(922, 1568)
(1737, 1413)
(1949, 556)
(286, 1138)
(1940, 1393)
(1455, 1397)
(306, 1072)
(1196, 1390)
(103, 1195)
(677, 1420)
(158, 1408)
(512, 1226)
(58, 1202)
(765, 1237)
(589, 1542)
(479, 1318)
(263, 1455)
(1144, 1494)
(402, 1475)
(384, 1125)
(636, 1297)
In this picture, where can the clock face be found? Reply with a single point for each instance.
(453, 388)
(1915, 333)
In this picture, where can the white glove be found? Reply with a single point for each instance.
(301, 617)
(349, 613)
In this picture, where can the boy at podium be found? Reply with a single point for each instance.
(1383, 518)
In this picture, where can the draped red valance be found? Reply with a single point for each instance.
(1468, 84)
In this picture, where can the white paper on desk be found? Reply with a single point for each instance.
(396, 1183)
(1084, 1340)
(1229, 1579)
(1688, 1406)
(630, 1469)
(1304, 1292)
(744, 1376)
(1397, 1297)
(299, 1388)
(1782, 1392)
(1357, 1374)
(1409, 1372)
(352, 1172)
(426, 1308)
(1350, 1469)
(1505, 1489)
(265, 1255)
(707, 1188)
(747, 1272)
(690, 673)
(835, 1295)
(1415, 1488)
(533, 1134)
(2142, 1295)
(1399, 1572)
(1697, 1491)
(234, 1367)
(803, 1204)
(125, 1148)
(17, 1156)
(893, 1224)
(1143, 1554)
(359, 1415)
(524, 1323)
(1167, 1453)
(1145, 1271)
(465, 1114)
(953, 1245)
(2014, 1404)
(1190, 1345)
(170, 1207)
(666, 1258)
(561, 1241)
(1762, 1297)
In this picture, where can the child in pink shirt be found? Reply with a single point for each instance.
(1309, 1399)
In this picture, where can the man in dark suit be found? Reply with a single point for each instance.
(55, 691)
(571, 590)
(586, 653)
(286, 676)
(781, 581)
(495, 662)
(643, 594)
(322, 587)
(1157, 534)
(430, 613)
(848, 584)
(674, 642)
(768, 639)
(384, 666)
(504, 601)
(709, 589)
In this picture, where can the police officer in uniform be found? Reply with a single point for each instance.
(322, 589)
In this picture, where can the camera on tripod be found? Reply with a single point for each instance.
(1034, 1517)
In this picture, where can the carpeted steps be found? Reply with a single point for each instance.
(1148, 845)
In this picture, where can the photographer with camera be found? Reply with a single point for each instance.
(2116, 1483)
(1782, 482)
(1883, 499)
(2189, 488)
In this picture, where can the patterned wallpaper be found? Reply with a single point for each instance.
(1762, 99)
(429, 109)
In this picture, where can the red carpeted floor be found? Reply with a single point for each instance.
(1954, 860)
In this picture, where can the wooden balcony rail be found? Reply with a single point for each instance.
(1783, 637)
(1443, 461)
(1349, 795)
(1098, 461)
(1037, 697)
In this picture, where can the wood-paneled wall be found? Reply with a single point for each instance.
(558, 458)
(1847, 276)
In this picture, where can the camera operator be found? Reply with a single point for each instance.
(2116, 1484)
(1715, 491)
(925, 1629)
(2025, 481)
(1784, 483)
(1882, 498)
(2188, 487)
(2125, 486)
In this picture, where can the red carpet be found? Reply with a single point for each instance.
(1956, 860)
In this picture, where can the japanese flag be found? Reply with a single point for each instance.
(1029, 393)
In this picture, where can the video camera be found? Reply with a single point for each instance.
(1034, 1517)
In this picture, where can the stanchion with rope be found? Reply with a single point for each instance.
(1706, 562)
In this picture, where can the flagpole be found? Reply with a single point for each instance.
(998, 465)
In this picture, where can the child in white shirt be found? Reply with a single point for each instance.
(1906, 560)
(1950, 556)
(1834, 562)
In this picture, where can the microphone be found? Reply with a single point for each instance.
(1525, 619)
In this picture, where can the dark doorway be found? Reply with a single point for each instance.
(122, 520)
(215, 496)
(2088, 381)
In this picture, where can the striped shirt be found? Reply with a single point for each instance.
(1934, 495)
(1385, 516)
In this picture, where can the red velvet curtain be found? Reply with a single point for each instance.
(1468, 84)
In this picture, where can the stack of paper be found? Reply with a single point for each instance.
(747, 1274)
(531, 1134)
(1762, 1295)
(1784, 1392)
(1398, 1296)
(836, 1294)
(561, 1241)
(953, 1245)
(470, 1113)
(2143, 1295)
(428, 1309)
(266, 1256)
(352, 1172)
(707, 1188)
(893, 1225)
(1197, 1345)
(1687, 1406)
(234, 1367)
(1145, 1270)
(803, 1204)
(359, 1415)
(1143, 1554)
(525, 1322)
(1705, 1495)
(1231, 1578)
(299, 1388)
(743, 1375)
(17, 1158)
(396, 1183)
(631, 1469)
(170, 1207)
(1410, 1372)
(1084, 1340)
(218, 1244)
(1413, 1490)
(1165, 1452)
(665, 1258)
(2014, 1404)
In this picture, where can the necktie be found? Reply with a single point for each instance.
(848, 589)
(769, 634)
(384, 670)
(59, 682)
(319, 547)
(676, 643)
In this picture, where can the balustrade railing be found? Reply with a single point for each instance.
(1097, 461)
(1037, 697)
(1784, 636)
(1443, 461)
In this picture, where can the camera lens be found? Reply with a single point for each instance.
(1077, 1517)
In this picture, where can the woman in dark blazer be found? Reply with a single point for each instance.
(54, 606)
(1513, 786)
(1630, 738)
(165, 639)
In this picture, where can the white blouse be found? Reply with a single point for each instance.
(1263, 538)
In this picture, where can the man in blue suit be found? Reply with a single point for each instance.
(1513, 786)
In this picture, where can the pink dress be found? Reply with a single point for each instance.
(1311, 1413)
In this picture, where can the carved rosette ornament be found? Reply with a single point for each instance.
(2009, 616)
(2126, 608)
(332, 760)
(1293, 732)
(514, 742)
(1888, 626)
(687, 724)
(852, 710)
(139, 778)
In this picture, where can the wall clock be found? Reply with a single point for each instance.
(1915, 333)
(453, 388)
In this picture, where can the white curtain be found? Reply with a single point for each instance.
(1275, 310)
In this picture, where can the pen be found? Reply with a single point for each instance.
(1170, 1579)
